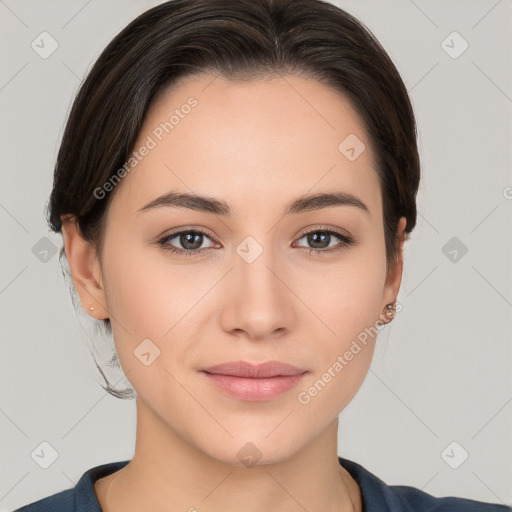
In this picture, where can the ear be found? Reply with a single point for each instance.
(394, 277)
(85, 269)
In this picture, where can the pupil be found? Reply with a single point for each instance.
(191, 237)
(313, 239)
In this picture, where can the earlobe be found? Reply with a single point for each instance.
(85, 269)
(394, 277)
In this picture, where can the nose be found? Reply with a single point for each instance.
(258, 303)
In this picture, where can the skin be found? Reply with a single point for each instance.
(257, 145)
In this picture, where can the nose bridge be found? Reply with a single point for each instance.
(259, 302)
(254, 262)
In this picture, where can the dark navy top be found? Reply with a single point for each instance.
(376, 495)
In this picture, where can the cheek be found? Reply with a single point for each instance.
(347, 297)
(149, 298)
(145, 293)
(346, 303)
(344, 351)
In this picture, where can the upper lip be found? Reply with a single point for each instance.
(263, 370)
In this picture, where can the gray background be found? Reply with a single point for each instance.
(441, 371)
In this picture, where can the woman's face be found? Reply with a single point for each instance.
(248, 289)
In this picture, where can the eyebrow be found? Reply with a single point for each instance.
(205, 204)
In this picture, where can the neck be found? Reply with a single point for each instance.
(167, 474)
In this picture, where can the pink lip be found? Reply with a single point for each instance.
(254, 382)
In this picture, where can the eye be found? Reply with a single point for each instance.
(190, 239)
(321, 238)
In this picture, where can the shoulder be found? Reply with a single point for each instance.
(80, 498)
(60, 502)
(415, 499)
(377, 496)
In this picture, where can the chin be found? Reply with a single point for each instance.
(255, 449)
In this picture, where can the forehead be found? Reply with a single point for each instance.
(276, 138)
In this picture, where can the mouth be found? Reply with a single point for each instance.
(249, 382)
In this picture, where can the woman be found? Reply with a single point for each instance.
(235, 185)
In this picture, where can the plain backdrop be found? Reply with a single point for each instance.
(439, 388)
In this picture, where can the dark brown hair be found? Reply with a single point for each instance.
(242, 40)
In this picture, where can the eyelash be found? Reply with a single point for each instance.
(345, 241)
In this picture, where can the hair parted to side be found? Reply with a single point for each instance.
(241, 40)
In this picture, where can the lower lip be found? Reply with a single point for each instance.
(254, 390)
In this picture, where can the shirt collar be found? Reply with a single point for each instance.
(375, 494)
